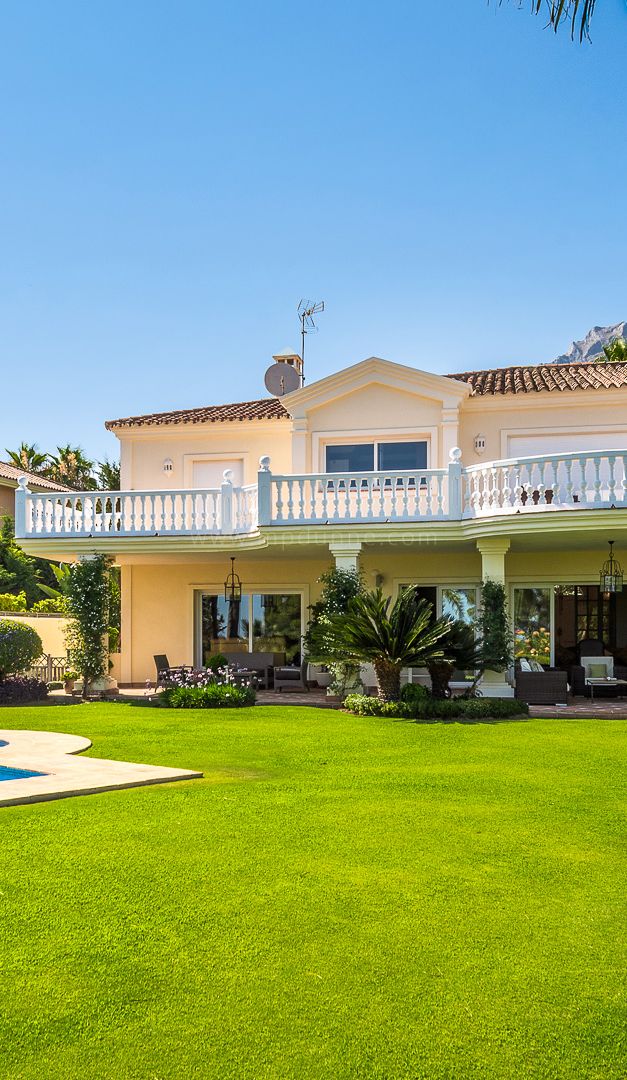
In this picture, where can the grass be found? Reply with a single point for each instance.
(340, 897)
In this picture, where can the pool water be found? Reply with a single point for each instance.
(7, 773)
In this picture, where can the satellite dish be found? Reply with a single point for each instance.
(281, 379)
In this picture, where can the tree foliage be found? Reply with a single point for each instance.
(339, 587)
(497, 645)
(18, 571)
(69, 467)
(462, 651)
(390, 636)
(20, 646)
(615, 352)
(87, 632)
(576, 13)
(28, 457)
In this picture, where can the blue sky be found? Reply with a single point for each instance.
(174, 177)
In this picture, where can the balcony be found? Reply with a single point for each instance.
(574, 482)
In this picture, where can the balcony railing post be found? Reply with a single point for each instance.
(455, 484)
(227, 502)
(21, 494)
(264, 492)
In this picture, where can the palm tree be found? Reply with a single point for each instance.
(462, 652)
(28, 457)
(63, 576)
(70, 466)
(388, 636)
(615, 352)
(108, 475)
(576, 12)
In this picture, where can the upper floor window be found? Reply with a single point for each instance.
(379, 456)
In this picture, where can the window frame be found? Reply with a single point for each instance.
(376, 442)
(198, 591)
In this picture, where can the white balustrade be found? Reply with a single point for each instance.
(550, 482)
(358, 497)
(538, 484)
(132, 513)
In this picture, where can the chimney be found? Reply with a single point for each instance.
(287, 356)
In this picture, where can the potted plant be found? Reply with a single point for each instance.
(69, 679)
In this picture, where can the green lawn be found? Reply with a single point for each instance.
(338, 898)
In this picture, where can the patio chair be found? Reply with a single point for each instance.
(165, 672)
(291, 678)
(592, 651)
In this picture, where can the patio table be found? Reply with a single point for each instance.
(605, 682)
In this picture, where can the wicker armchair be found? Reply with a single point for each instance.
(165, 672)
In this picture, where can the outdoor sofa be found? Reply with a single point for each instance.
(262, 663)
(537, 686)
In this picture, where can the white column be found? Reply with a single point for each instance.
(264, 492)
(346, 554)
(126, 605)
(493, 551)
(21, 494)
(299, 445)
(450, 434)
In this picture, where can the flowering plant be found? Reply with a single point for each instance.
(88, 603)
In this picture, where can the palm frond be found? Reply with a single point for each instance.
(576, 12)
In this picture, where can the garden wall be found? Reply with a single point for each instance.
(51, 629)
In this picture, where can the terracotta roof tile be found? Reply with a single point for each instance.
(545, 377)
(518, 379)
(13, 473)
(265, 409)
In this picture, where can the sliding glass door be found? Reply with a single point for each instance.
(259, 622)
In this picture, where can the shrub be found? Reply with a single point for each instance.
(363, 705)
(427, 708)
(216, 662)
(413, 694)
(20, 646)
(51, 605)
(13, 601)
(211, 695)
(19, 688)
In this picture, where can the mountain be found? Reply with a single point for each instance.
(591, 347)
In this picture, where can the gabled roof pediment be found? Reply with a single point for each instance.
(374, 370)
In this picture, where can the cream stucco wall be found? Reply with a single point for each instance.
(541, 415)
(7, 500)
(160, 598)
(51, 629)
(143, 452)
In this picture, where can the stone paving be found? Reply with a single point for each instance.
(51, 753)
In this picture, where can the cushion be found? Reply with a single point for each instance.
(536, 665)
(525, 665)
(597, 671)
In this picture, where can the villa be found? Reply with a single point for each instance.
(516, 474)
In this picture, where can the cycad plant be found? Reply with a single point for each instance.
(390, 636)
(462, 651)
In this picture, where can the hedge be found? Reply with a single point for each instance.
(428, 708)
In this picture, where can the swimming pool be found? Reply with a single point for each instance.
(7, 773)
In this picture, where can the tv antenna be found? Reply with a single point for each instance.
(306, 312)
